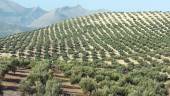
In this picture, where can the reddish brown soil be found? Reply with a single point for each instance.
(11, 82)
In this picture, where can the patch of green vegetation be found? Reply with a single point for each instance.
(131, 80)
(40, 82)
(107, 54)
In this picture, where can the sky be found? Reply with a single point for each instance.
(113, 5)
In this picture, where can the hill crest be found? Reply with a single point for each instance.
(109, 37)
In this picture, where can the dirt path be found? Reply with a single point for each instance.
(67, 88)
(11, 82)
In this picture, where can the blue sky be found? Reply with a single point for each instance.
(114, 5)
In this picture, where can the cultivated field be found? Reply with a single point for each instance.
(105, 54)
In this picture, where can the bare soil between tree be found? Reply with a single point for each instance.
(10, 84)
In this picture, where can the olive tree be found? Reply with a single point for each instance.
(88, 84)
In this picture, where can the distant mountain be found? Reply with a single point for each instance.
(13, 14)
(16, 18)
(58, 15)
(8, 29)
(31, 14)
(61, 14)
(8, 6)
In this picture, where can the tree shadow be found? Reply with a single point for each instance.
(12, 88)
(12, 80)
(18, 75)
(1, 91)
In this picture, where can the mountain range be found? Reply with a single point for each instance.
(59, 14)
(17, 18)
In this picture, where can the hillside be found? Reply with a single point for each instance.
(105, 54)
(105, 36)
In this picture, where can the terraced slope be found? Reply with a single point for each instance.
(10, 84)
(110, 37)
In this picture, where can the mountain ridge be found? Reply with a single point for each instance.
(60, 14)
(10, 6)
(14, 14)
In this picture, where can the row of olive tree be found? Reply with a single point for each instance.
(118, 80)
(10, 64)
(40, 82)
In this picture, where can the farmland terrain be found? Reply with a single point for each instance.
(104, 54)
(109, 37)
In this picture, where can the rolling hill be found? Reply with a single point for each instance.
(110, 37)
(105, 54)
